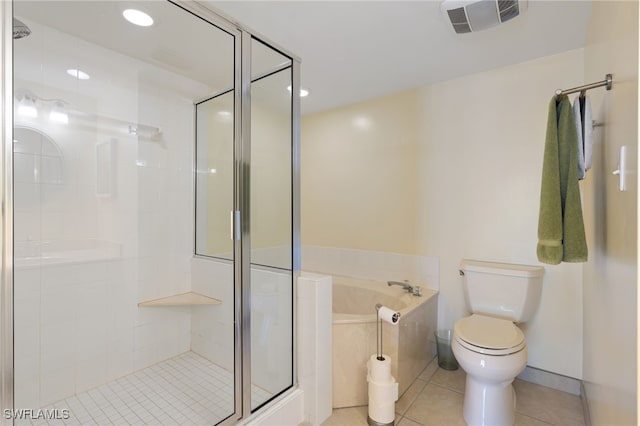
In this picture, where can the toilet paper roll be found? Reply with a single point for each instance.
(386, 314)
(382, 413)
(383, 392)
(379, 371)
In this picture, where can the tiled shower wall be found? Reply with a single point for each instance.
(212, 328)
(87, 256)
(84, 259)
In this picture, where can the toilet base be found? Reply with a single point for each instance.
(490, 404)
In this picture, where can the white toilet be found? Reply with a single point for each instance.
(489, 347)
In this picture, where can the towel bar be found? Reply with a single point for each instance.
(608, 82)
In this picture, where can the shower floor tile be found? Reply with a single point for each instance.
(186, 389)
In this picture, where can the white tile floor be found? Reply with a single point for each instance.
(190, 390)
(184, 390)
(437, 395)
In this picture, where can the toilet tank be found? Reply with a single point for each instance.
(502, 290)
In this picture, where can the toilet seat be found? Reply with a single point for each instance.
(489, 335)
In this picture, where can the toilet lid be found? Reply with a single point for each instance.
(489, 335)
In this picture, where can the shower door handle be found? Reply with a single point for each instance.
(235, 225)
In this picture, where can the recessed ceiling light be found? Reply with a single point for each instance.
(79, 74)
(138, 17)
(303, 92)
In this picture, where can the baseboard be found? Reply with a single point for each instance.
(551, 380)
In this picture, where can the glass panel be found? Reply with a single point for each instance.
(265, 60)
(271, 171)
(214, 176)
(104, 217)
(271, 237)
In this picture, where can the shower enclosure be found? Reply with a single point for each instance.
(150, 226)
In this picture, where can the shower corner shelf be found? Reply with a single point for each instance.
(184, 299)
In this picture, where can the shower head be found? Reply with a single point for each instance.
(20, 29)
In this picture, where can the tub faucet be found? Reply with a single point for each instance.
(416, 291)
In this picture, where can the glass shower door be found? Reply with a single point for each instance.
(115, 321)
(155, 217)
(271, 224)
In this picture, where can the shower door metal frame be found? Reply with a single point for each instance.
(242, 128)
(243, 198)
(244, 202)
(225, 25)
(6, 225)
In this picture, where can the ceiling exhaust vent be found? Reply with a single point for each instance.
(468, 16)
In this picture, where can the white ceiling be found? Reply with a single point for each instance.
(357, 50)
(93, 36)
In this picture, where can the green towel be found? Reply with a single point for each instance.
(560, 225)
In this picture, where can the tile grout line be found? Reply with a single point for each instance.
(185, 388)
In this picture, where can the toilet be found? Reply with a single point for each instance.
(488, 345)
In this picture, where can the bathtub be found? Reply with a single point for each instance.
(410, 343)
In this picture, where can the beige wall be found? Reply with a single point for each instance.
(481, 147)
(610, 279)
(271, 172)
(270, 175)
(449, 170)
(359, 177)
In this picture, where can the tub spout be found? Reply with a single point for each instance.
(405, 285)
(416, 291)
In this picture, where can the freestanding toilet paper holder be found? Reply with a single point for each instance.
(389, 316)
(383, 389)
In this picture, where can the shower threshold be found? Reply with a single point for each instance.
(184, 390)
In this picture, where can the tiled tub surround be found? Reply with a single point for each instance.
(409, 343)
(372, 265)
(314, 349)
